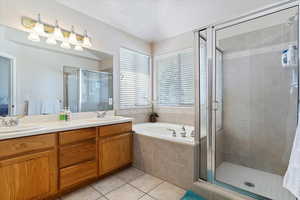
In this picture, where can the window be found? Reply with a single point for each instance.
(134, 79)
(175, 79)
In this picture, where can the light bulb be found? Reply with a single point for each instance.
(72, 37)
(65, 45)
(51, 40)
(33, 36)
(39, 26)
(57, 32)
(78, 48)
(86, 41)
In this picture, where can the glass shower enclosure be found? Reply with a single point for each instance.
(248, 101)
(86, 90)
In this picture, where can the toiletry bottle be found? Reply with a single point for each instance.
(68, 114)
(62, 116)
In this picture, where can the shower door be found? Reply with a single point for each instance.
(249, 101)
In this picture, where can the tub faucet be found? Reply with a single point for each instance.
(173, 132)
(183, 133)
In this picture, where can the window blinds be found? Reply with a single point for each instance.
(134, 79)
(175, 79)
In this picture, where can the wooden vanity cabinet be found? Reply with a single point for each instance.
(28, 169)
(78, 160)
(44, 166)
(115, 147)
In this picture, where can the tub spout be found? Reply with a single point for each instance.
(173, 132)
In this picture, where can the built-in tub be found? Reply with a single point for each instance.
(157, 152)
(164, 131)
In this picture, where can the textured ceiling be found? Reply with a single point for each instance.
(154, 20)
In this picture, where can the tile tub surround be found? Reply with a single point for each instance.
(177, 115)
(129, 184)
(170, 161)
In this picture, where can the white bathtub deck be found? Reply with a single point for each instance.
(266, 184)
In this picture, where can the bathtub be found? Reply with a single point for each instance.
(158, 153)
(162, 131)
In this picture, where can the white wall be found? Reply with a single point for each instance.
(104, 37)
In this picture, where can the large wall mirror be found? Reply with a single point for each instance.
(40, 79)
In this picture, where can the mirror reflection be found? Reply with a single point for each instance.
(41, 79)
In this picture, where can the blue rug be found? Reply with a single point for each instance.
(189, 195)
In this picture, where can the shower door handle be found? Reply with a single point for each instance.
(215, 106)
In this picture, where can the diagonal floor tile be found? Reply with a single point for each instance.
(108, 184)
(129, 174)
(146, 182)
(167, 191)
(146, 197)
(87, 193)
(126, 192)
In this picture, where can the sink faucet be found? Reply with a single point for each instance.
(183, 132)
(101, 114)
(173, 132)
(9, 121)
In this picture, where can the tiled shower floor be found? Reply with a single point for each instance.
(266, 184)
(130, 184)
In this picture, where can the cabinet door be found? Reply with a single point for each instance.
(28, 177)
(115, 152)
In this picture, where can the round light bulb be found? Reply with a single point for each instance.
(33, 36)
(57, 32)
(72, 37)
(86, 41)
(51, 40)
(65, 45)
(78, 48)
(39, 26)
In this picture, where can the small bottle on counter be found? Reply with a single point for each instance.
(68, 114)
(62, 115)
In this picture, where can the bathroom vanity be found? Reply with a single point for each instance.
(57, 162)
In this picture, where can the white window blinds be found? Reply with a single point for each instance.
(175, 79)
(134, 79)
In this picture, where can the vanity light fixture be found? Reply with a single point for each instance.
(72, 37)
(39, 26)
(86, 40)
(55, 33)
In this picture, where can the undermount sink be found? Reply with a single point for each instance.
(19, 128)
(110, 118)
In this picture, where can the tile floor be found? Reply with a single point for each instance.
(129, 184)
(266, 184)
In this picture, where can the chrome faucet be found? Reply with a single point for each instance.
(101, 114)
(173, 132)
(10, 121)
(183, 132)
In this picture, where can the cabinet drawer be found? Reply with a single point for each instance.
(76, 153)
(78, 173)
(115, 129)
(68, 137)
(26, 144)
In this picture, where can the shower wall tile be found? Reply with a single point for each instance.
(259, 113)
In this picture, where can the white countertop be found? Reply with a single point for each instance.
(44, 127)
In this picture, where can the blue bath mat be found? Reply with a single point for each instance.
(189, 195)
